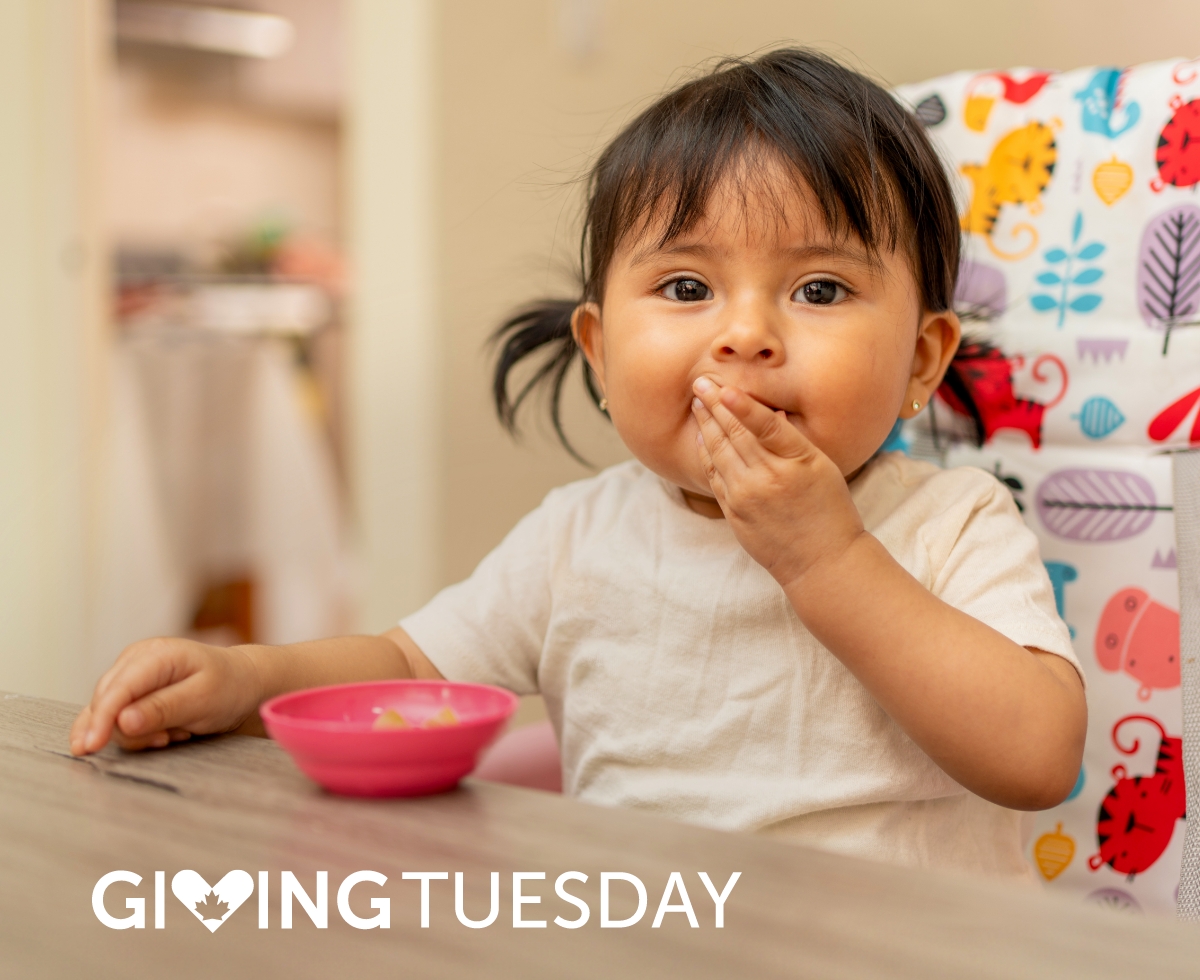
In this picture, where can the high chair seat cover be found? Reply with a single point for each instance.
(1081, 225)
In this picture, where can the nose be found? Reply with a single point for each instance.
(748, 335)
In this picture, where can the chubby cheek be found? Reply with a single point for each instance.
(649, 399)
(850, 406)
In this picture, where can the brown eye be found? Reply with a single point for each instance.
(819, 292)
(686, 290)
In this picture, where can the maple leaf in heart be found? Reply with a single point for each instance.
(212, 909)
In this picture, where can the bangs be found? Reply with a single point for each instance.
(838, 139)
(667, 200)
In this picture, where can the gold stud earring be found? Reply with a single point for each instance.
(916, 405)
(604, 404)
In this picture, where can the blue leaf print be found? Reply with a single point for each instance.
(1061, 299)
(1098, 417)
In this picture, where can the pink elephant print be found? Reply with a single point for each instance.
(1141, 637)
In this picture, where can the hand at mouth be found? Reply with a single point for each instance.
(770, 481)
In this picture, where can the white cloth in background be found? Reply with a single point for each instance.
(216, 471)
(680, 680)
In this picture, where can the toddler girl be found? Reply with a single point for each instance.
(762, 622)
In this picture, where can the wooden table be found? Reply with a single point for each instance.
(234, 802)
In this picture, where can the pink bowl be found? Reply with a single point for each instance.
(327, 731)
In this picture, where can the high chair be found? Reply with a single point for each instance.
(1081, 281)
(1081, 289)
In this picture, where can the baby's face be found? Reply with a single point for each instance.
(773, 305)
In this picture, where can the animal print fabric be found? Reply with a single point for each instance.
(1079, 199)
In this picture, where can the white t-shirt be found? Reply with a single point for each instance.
(680, 680)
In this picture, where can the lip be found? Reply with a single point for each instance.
(758, 398)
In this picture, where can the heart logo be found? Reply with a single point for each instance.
(212, 904)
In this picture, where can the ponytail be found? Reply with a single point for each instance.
(544, 324)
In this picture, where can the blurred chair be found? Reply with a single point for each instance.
(1081, 222)
(526, 756)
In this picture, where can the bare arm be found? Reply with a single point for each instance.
(166, 689)
(1006, 722)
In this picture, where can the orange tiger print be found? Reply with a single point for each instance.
(1018, 170)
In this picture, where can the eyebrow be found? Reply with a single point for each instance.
(851, 253)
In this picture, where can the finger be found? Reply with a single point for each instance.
(79, 728)
(744, 442)
(130, 681)
(715, 481)
(716, 439)
(151, 740)
(771, 429)
(117, 669)
(184, 704)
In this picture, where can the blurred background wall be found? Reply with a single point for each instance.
(413, 168)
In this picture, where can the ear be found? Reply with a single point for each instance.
(938, 335)
(588, 331)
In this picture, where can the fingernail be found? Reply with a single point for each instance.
(702, 385)
(697, 404)
(160, 740)
(133, 719)
(699, 438)
(89, 741)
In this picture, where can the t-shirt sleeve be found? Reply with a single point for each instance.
(490, 628)
(993, 571)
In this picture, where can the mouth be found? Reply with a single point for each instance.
(769, 405)
(762, 401)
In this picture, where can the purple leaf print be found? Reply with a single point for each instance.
(981, 291)
(1169, 269)
(1096, 505)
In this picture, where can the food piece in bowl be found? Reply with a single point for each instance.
(389, 719)
(442, 719)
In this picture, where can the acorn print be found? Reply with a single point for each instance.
(1098, 417)
(1112, 179)
(1053, 852)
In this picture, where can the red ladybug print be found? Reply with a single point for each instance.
(982, 387)
(1137, 817)
(1178, 155)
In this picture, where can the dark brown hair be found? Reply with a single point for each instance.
(866, 159)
